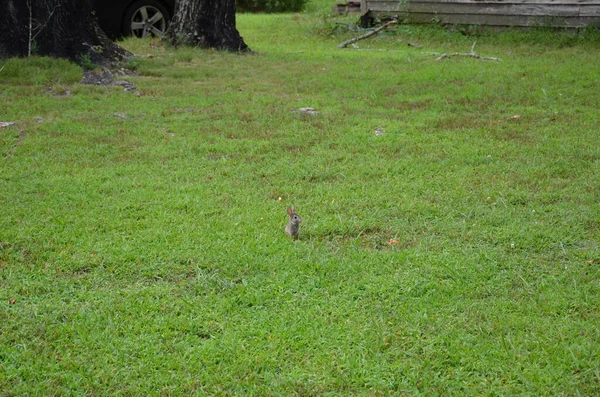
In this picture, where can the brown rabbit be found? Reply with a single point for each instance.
(293, 226)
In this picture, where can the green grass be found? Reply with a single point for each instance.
(146, 255)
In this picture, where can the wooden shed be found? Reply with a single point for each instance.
(555, 13)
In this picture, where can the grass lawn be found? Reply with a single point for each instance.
(142, 244)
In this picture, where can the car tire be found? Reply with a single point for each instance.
(146, 18)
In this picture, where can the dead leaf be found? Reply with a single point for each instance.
(12, 301)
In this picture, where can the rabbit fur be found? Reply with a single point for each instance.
(293, 226)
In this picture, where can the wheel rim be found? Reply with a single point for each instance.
(148, 21)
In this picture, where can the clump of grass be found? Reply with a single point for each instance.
(38, 71)
(85, 61)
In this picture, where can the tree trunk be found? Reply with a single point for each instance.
(206, 23)
(58, 28)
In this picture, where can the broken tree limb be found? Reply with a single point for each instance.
(369, 34)
(471, 54)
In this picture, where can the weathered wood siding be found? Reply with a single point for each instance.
(570, 13)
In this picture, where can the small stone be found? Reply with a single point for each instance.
(379, 131)
(308, 111)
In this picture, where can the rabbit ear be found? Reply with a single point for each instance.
(290, 210)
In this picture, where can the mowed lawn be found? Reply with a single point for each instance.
(450, 236)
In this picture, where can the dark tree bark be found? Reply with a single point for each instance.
(206, 23)
(58, 28)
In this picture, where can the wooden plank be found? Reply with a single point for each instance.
(547, 2)
(493, 9)
(583, 3)
(384, 6)
(384, 3)
(593, 10)
(501, 20)
(493, 12)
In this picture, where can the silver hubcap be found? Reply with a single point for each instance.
(148, 21)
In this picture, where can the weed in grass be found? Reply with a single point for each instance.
(86, 62)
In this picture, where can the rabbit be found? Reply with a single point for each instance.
(293, 226)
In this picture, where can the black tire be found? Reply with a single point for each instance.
(146, 18)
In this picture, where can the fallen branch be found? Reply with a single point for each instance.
(471, 54)
(369, 34)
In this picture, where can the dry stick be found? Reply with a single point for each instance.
(38, 26)
(369, 34)
(471, 53)
(30, 28)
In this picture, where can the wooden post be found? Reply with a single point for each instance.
(363, 6)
